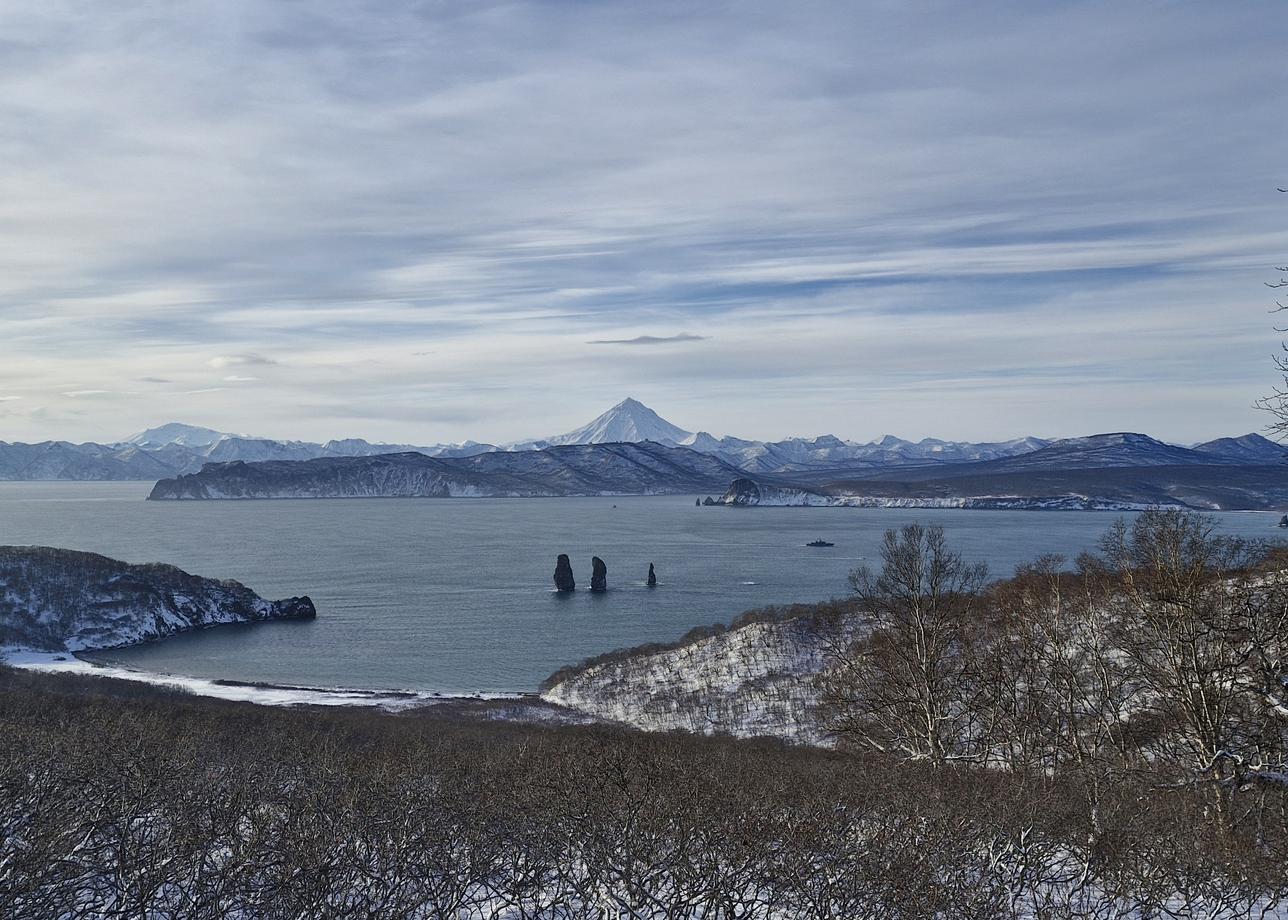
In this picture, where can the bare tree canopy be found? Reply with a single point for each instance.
(1277, 402)
(902, 688)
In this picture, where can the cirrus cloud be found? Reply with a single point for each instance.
(247, 360)
(650, 340)
(1002, 220)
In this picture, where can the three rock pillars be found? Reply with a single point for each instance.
(564, 580)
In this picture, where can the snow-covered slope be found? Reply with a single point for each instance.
(628, 421)
(1250, 448)
(830, 452)
(150, 459)
(1099, 478)
(750, 680)
(64, 600)
(62, 460)
(177, 433)
(1114, 449)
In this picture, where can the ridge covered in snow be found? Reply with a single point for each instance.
(179, 434)
(755, 678)
(575, 469)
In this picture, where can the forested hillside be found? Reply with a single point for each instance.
(134, 802)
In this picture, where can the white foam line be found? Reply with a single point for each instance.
(66, 663)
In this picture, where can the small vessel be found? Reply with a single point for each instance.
(1283, 521)
(825, 543)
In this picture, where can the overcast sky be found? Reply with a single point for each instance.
(435, 221)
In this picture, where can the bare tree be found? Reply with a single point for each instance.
(1059, 694)
(1203, 628)
(1277, 402)
(905, 688)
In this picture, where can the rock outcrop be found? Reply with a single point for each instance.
(742, 491)
(652, 576)
(745, 492)
(563, 574)
(598, 574)
(64, 600)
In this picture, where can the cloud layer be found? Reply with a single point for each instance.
(424, 222)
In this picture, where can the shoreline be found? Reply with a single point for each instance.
(260, 693)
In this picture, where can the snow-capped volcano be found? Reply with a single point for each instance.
(629, 420)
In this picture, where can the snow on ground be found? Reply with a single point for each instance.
(750, 681)
(798, 498)
(265, 694)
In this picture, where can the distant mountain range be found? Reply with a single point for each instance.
(177, 449)
(1120, 471)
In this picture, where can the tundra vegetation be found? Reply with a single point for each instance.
(1105, 740)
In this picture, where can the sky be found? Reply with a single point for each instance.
(431, 221)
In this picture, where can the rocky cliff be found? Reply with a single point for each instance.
(63, 600)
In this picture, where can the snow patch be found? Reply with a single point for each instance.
(264, 694)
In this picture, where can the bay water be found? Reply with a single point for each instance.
(456, 595)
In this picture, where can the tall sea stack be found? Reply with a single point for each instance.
(598, 574)
(563, 574)
(652, 576)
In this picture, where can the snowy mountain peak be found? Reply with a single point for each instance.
(703, 441)
(177, 433)
(1111, 439)
(629, 420)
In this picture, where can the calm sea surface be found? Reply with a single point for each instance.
(456, 595)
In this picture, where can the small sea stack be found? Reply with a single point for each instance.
(652, 576)
(598, 574)
(563, 574)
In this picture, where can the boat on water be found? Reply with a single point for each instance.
(1283, 521)
(825, 543)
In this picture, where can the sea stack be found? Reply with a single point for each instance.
(598, 574)
(563, 574)
(652, 576)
